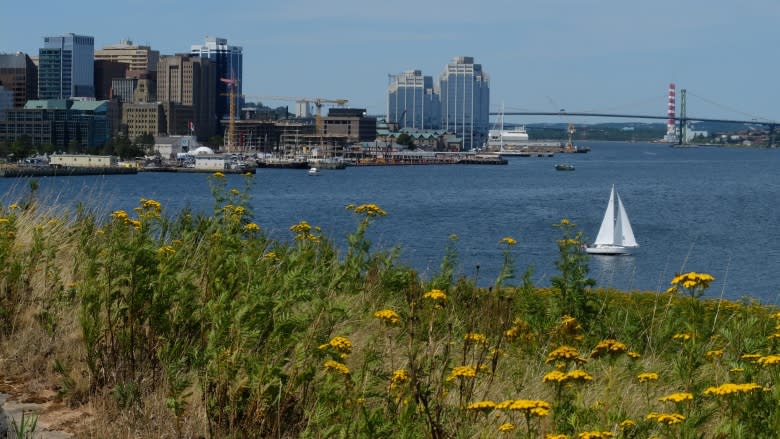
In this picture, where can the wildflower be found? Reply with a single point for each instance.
(556, 436)
(506, 427)
(769, 360)
(166, 250)
(665, 418)
(462, 372)
(570, 325)
(135, 223)
(508, 241)
(340, 344)
(731, 389)
(633, 355)
(151, 204)
(555, 376)
(627, 425)
(677, 397)
(565, 222)
(713, 354)
(252, 227)
(482, 406)
(608, 346)
(530, 406)
(388, 316)
(4, 220)
(218, 174)
(682, 336)
(595, 435)
(647, 376)
(119, 215)
(367, 210)
(270, 255)
(694, 282)
(235, 191)
(474, 337)
(565, 353)
(337, 367)
(752, 358)
(13, 206)
(399, 377)
(578, 375)
(436, 295)
(736, 370)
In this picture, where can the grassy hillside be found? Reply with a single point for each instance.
(184, 325)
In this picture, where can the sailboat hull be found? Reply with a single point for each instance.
(609, 250)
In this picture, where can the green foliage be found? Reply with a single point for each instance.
(573, 283)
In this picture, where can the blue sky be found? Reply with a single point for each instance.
(541, 55)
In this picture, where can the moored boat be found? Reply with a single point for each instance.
(564, 167)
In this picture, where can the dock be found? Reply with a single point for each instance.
(183, 170)
(61, 171)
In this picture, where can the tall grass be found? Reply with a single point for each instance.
(185, 325)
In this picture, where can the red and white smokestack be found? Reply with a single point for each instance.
(670, 123)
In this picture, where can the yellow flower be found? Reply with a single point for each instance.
(578, 375)
(647, 376)
(341, 344)
(135, 223)
(752, 358)
(388, 316)
(436, 295)
(475, 337)
(506, 427)
(595, 435)
(337, 367)
(508, 241)
(367, 209)
(529, 406)
(714, 354)
(399, 377)
(555, 376)
(682, 336)
(564, 353)
(218, 174)
(556, 436)
(270, 255)
(251, 227)
(462, 372)
(482, 406)
(731, 389)
(119, 215)
(769, 360)
(150, 204)
(166, 250)
(608, 346)
(235, 191)
(693, 279)
(665, 418)
(565, 222)
(677, 397)
(627, 425)
(13, 206)
(633, 355)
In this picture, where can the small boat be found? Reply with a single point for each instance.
(314, 171)
(615, 234)
(564, 167)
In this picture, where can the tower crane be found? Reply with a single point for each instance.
(231, 135)
(318, 103)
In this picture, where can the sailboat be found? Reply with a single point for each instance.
(615, 235)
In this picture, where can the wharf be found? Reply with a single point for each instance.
(181, 169)
(62, 171)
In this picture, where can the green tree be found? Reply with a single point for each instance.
(22, 146)
(406, 140)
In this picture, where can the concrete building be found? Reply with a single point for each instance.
(60, 122)
(465, 101)
(19, 75)
(351, 123)
(82, 161)
(105, 73)
(143, 118)
(412, 101)
(188, 81)
(136, 57)
(6, 101)
(66, 67)
(229, 62)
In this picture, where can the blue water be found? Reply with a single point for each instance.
(704, 209)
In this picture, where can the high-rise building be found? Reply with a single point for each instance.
(412, 101)
(19, 75)
(135, 56)
(66, 67)
(105, 72)
(465, 101)
(189, 81)
(230, 65)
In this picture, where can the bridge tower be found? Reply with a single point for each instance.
(683, 117)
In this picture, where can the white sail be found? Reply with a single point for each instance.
(606, 234)
(615, 234)
(626, 235)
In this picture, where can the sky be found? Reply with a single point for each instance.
(609, 56)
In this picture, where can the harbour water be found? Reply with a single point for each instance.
(700, 209)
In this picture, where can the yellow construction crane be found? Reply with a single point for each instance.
(231, 134)
(318, 103)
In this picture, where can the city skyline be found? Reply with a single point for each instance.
(602, 56)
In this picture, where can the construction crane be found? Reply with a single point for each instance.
(231, 134)
(318, 103)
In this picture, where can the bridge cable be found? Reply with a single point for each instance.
(724, 107)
